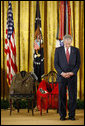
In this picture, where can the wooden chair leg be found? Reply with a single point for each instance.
(18, 106)
(18, 110)
(10, 106)
(48, 103)
(32, 108)
(28, 110)
(28, 105)
(57, 110)
(41, 112)
(47, 110)
(41, 107)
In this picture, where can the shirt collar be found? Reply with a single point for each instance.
(69, 49)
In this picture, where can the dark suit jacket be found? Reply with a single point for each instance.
(61, 65)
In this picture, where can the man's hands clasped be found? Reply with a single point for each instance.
(67, 75)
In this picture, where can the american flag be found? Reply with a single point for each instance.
(10, 47)
(36, 46)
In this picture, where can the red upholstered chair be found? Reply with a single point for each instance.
(47, 93)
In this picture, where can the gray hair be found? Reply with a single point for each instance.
(67, 37)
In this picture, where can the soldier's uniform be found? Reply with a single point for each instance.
(22, 83)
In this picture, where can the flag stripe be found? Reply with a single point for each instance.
(61, 24)
(69, 18)
(58, 20)
(66, 18)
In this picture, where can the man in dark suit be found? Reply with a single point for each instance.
(67, 63)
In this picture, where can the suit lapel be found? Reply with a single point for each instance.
(64, 55)
(71, 54)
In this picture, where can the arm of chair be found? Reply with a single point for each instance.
(44, 76)
(36, 85)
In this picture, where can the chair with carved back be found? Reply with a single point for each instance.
(51, 79)
(23, 86)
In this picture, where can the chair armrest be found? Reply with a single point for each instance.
(36, 85)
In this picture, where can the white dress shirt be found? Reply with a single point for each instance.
(69, 49)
